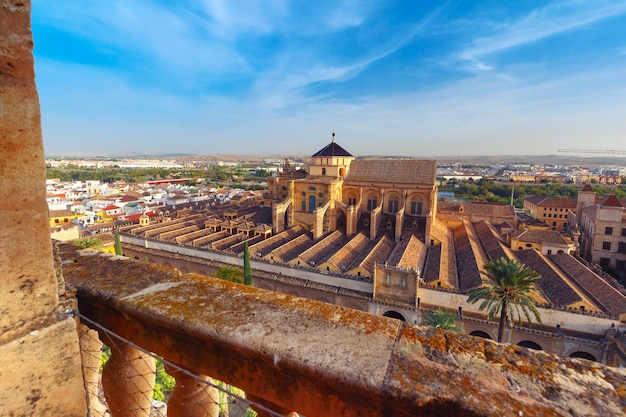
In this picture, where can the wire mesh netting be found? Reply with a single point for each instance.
(120, 375)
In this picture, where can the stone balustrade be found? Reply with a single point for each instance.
(300, 356)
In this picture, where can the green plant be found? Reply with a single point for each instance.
(230, 274)
(440, 319)
(247, 270)
(118, 244)
(89, 242)
(507, 292)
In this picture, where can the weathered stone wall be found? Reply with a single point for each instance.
(323, 360)
(40, 374)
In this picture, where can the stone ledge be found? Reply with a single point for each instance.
(325, 360)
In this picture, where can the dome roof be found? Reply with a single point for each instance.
(332, 149)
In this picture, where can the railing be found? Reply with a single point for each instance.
(295, 355)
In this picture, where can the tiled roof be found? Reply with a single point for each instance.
(205, 241)
(431, 267)
(110, 207)
(291, 249)
(330, 150)
(228, 241)
(587, 187)
(408, 253)
(610, 299)
(61, 213)
(542, 236)
(553, 286)
(535, 198)
(476, 208)
(266, 246)
(447, 267)
(469, 275)
(324, 248)
(345, 255)
(377, 254)
(611, 201)
(396, 171)
(491, 244)
(238, 248)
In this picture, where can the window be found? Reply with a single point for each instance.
(604, 262)
(553, 223)
(606, 245)
(352, 201)
(624, 232)
(304, 206)
(549, 251)
(608, 230)
(620, 265)
(312, 203)
(393, 206)
(371, 204)
(621, 247)
(416, 207)
(323, 171)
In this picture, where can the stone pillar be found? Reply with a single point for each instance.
(90, 352)
(192, 398)
(39, 351)
(128, 382)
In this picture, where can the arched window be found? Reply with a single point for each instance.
(311, 203)
(393, 205)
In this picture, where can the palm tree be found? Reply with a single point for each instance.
(440, 319)
(507, 292)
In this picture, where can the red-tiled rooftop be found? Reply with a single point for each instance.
(610, 299)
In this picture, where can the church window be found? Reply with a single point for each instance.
(352, 201)
(393, 206)
(416, 207)
(312, 188)
(371, 204)
(312, 203)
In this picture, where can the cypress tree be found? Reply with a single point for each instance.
(118, 244)
(247, 270)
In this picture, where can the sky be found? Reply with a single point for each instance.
(413, 78)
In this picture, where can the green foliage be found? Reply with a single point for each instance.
(118, 244)
(230, 274)
(440, 319)
(508, 288)
(89, 242)
(247, 270)
(495, 192)
(163, 384)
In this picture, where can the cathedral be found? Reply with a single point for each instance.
(339, 192)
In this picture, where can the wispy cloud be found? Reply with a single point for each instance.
(543, 23)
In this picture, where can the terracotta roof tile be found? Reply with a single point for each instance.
(557, 291)
(469, 275)
(610, 299)
(491, 244)
(396, 171)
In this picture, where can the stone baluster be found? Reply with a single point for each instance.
(128, 382)
(192, 398)
(90, 351)
(271, 406)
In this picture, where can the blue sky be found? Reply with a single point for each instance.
(415, 78)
